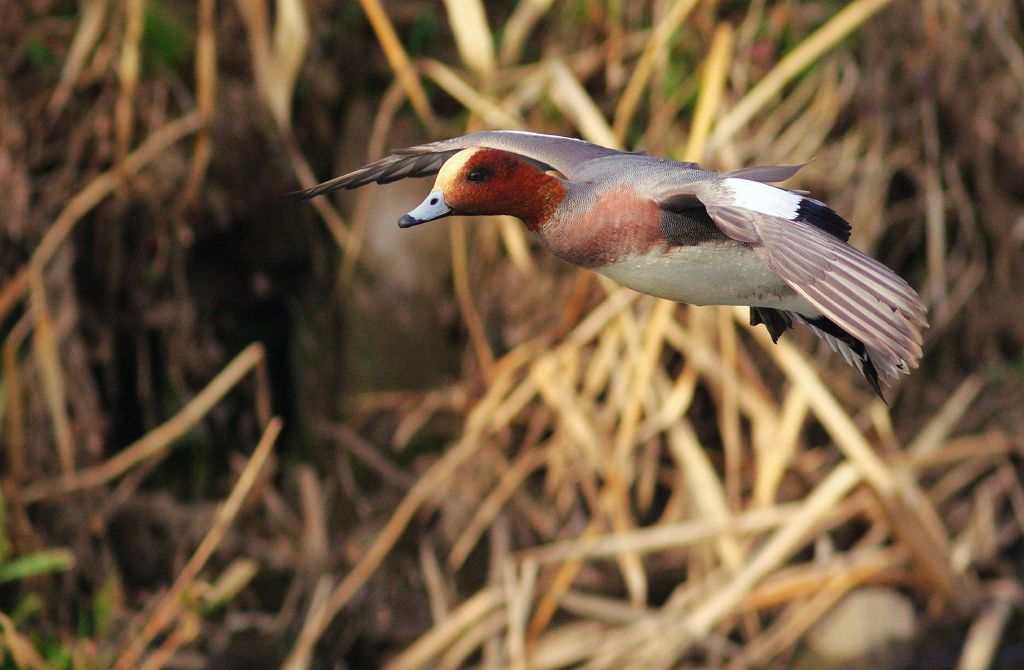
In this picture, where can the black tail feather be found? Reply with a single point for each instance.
(776, 321)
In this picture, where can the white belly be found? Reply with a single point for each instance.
(714, 274)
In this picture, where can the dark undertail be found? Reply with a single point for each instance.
(776, 321)
(867, 368)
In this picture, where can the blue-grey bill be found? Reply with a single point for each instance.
(433, 207)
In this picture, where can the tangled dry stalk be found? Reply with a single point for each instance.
(638, 484)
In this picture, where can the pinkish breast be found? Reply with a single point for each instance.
(617, 225)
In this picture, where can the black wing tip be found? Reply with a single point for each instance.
(871, 375)
(321, 189)
(311, 193)
(823, 217)
(863, 356)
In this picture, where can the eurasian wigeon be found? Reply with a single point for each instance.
(676, 231)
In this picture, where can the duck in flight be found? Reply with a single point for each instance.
(676, 231)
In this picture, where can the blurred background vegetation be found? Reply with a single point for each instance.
(244, 431)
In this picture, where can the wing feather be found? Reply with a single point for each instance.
(766, 173)
(856, 292)
(564, 154)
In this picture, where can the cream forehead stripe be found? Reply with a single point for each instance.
(452, 167)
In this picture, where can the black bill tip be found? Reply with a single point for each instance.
(408, 222)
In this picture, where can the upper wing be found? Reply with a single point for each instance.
(804, 243)
(768, 174)
(545, 151)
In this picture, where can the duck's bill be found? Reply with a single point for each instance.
(434, 207)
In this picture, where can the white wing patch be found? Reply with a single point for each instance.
(762, 198)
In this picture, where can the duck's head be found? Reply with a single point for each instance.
(482, 181)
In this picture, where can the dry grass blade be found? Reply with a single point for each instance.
(557, 588)
(935, 207)
(101, 186)
(983, 638)
(157, 439)
(472, 99)
(43, 340)
(230, 582)
(206, 91)
(369, 455)
(573, 100)
(621, 517)
(88, 33)
(399, 61)
(128, 77)
(291, 38)
(171, 604)
(602, 608)
(328, 214)
(796, 620)
(186, 631)
(939, 427)
(911, 514)
(514, 239)
(483, 632)
(656, 45)
(658, 538)
(14, 289)
(566, 645)
(654, 341)
(14, 406)
(492, 504)
(23, 653)
(518, 27)
(472, 35)
(435, 477)
(276, 63)
(826, 37)
(392, 99)
(47, 356)
(716, 67)
(588, 329)
(276, 67)
(826, 408)
(672, 405)
(314, 534)
(773, 457)
(317, 602)
(474, 610)
(729, 415)
(776, 549)
(704, 487)
(998, 28)
(433, 578)
(470, 315)
(859, 565)
(991, 443)
(573, 418)
(519, 590)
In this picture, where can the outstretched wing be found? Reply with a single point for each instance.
(805, 243)
(544, 151)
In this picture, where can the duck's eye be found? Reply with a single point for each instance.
(475, 176)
